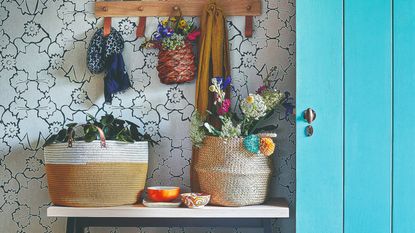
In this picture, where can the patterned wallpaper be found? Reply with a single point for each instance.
(44, 84)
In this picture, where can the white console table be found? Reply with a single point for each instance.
(140, 216)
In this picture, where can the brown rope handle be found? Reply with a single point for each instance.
(101, 137)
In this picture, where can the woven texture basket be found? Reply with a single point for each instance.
(87, 175)
(177, 66)
(232, 175)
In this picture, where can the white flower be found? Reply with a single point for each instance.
(8, 62)
(79, 96)
(151, 128)
(55, 127)
(229, 130)
(254, 107)
(11, 130)
(33, 164)
(31, 28)
(175, 95)
(56, 61)
(151, 60)
(10, 197)
(126, 27)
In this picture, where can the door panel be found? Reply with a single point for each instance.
(368, 116)
(320, 86)
(404, 115)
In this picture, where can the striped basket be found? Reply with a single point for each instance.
(232, 175)
(95, 174)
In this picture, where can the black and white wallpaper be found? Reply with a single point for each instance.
(44, 84)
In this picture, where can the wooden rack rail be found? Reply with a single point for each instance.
(165, 7)
(145, 8)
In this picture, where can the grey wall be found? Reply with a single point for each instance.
(44, 84)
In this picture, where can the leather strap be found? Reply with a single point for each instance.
(71, 139)
(107, 26)
(141, 28)
(249, 26)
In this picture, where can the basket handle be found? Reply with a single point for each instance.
(101, 136)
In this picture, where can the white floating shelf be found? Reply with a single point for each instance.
(275, 209)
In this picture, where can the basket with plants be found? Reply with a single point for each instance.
(173, 38)
(99, 163)
(233, 162)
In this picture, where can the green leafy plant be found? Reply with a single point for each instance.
(113, 128)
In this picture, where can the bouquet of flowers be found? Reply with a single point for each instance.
(172, 34)
(255, 109)
(173, 38)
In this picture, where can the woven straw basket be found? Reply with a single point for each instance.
(232, 175)
(89, 175)
(176, 66)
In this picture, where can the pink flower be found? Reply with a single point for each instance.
(193, 35)
(226, 104)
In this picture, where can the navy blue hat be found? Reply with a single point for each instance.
(105, 53)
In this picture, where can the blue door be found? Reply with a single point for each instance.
(356, 70)
(320, 87)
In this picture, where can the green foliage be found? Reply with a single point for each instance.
(114, 129)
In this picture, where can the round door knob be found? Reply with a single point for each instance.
(309, 115)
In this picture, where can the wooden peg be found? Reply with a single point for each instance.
(107, 26)
(176, 8)
(249, 26)
(141, 28)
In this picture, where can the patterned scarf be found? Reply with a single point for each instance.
(105, 53)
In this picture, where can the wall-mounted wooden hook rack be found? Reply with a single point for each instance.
(165, 7)
(145, 8)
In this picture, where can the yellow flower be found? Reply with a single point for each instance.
(250, 99)
(267, 146)
(173, 19)
(165, 22)
(182, 24)
(212, 88)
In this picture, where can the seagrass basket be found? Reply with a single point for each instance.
(90, 175)
(232, 175)
(176, 66)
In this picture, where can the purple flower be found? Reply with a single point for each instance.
(157, 36)
(160, 29)
(169, 32)
(224, 83)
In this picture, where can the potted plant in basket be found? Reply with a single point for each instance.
(99, 163)
(176, 59)
(233, 163)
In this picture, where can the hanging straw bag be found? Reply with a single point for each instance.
(96, 174)
(232, 175)
(177, 66)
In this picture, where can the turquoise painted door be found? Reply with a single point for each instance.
(368, 116)
(356, 69)
(320, 86)
(403, 117)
